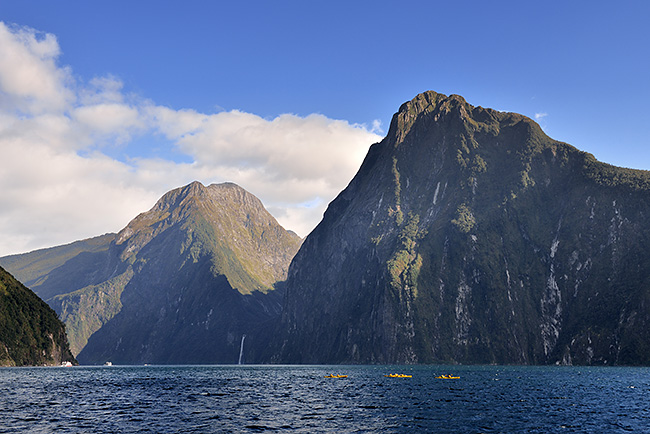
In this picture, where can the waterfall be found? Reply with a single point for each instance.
(241, 349)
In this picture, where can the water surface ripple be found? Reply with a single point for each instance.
(298, 399)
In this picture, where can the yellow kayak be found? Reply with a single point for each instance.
(398, 376)
(447, 377)
(336, 376)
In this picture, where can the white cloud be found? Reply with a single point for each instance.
(540, 118)
(377, 127)
(285, 148)
(102, 90)
(286, 161)
(176, 123)
(108, 121)
(29, 77)
(57, 185)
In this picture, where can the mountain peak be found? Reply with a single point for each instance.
(214, 216)
(189, 201)
(424, 105)
(429, 100)
(431, 109)
(194, 190)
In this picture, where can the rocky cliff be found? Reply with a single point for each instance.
(469, 236)
(182, 283)
(30, 332)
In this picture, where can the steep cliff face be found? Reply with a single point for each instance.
(182, 283)
(470, 236)
(30, 332)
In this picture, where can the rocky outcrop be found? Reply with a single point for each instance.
(469, 236)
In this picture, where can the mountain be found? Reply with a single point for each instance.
(42, 268)
(469, 236)
(30, 332)
(181, 283)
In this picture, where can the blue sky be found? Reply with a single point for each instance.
(170, 69)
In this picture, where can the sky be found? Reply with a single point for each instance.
(107, 105)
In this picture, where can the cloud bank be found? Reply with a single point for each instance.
(83, 158)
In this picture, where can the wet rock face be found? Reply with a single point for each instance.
(470, 236)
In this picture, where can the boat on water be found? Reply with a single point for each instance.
(336, 376)
(447, 377)
(108, 364)
(398, 376)
(66, 364)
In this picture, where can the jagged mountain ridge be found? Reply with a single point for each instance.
(469, 236)
(30, 332)
(180, 283)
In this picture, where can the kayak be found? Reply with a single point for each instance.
(398, 376)
(336, 376)
(447, 377)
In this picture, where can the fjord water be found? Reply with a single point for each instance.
(298, 399)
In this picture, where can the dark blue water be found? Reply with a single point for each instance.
(298, 399)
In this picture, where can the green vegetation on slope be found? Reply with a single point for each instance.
(32, 268)
(404, 265)
(612, 176)
(86, 310)
(30, 332)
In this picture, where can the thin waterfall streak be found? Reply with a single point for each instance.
(241, 349)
